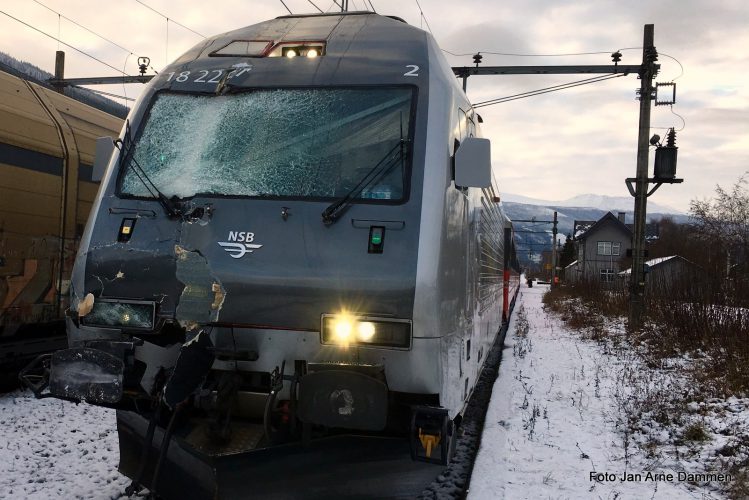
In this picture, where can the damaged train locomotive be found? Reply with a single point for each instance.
(298, 233)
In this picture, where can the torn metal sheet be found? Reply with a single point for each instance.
(155, 358)
(194, 361)
(203, 296)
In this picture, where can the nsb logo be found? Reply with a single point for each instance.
(239, 243)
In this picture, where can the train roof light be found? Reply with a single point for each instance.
(310, 50)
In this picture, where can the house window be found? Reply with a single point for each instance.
(609, 248)
(607, 275)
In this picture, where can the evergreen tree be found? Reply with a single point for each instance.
(567, 255)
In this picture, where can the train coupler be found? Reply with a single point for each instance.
(430, 435)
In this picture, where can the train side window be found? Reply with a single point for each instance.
(456, 136)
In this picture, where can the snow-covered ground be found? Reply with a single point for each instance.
(560, 424)
(55, 449)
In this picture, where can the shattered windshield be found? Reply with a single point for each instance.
(297, 143)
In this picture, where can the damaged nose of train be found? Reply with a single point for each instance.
(102, 371)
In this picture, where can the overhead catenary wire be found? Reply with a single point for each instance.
(529, 93)
(518, 54)
(546, 90)
(421, 11)
(108, 94)
(65, 43)
(315, 6)
(287, 7)
(133, 52)
(169, 18)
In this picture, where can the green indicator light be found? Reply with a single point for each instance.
(376, 239)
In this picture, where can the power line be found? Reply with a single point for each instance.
(370, 4)
(546, 90)
(168, 18)
(529, 93)
(517, 54)
(422, 15)
(104, 93)
(315, 6)
(85, 28)
(287, 7)
(677, 62)
(64, 43)
(661, 54)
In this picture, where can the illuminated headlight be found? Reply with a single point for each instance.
(108, 313)
(301, 50)
(345, 329)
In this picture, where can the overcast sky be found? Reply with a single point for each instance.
(553, 146)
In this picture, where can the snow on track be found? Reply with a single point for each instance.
(57, 449)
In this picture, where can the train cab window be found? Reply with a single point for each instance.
(313, 143)
(243, 48)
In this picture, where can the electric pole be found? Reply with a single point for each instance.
(554, 253)
(59, 70)
(648, 71)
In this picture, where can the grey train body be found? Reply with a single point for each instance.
(259, 274)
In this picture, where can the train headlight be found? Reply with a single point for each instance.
(345, 329)
(342, 328)
(309, 50)
(365, 331)
(110, 313)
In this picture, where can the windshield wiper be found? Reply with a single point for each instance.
(169, 205)
(379, 171)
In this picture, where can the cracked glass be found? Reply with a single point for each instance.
(280, 143)
(121, 314)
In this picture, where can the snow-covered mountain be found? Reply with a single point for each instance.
(599, 201)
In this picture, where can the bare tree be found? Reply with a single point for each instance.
(722, 223)
(725, 218)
